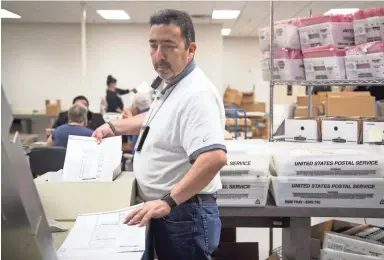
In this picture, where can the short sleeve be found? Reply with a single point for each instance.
(201, 125)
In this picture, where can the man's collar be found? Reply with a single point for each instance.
(187, 70)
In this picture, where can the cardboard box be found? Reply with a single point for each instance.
(248, 97)
(334, 131)
(239, 122)
(233, 96)
(304, 130)
(302, 111)
(327, 254)
(323, 95)
(303, 100)
(66, 200)
(353, 245)
(328, 192)
(52, 108)
(255, 107)
(317, 235)
(354, 106)
(243, 191)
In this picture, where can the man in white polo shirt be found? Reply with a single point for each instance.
(180, 149)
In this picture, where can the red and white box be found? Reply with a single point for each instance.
(286, 35)
(288, 65)
(368, 25)
(324, 62)
(365, 61)
(323, 30)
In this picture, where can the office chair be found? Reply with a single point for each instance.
(46, 159)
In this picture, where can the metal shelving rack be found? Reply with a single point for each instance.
(232, 111)
(308, 83)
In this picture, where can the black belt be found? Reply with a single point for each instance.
(202, 198)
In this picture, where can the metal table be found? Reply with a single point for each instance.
(35, 124)
(295, 221)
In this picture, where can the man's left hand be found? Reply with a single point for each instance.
(150, 209)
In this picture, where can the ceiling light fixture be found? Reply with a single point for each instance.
(225, 32)
(342, 11)
(225, 14)
(114, 14)
(7, 14)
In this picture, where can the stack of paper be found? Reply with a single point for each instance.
(87, 160)
(104, 236)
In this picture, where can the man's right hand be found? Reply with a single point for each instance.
(102, 131)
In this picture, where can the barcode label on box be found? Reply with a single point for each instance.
(335, 246)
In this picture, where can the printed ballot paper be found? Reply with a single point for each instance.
(104, 234)
(85, 159)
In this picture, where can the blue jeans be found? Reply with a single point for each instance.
(190, 232)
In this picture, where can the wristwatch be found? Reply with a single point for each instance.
(169, 200)
(112, 128)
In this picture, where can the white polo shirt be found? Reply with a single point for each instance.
(190, 122)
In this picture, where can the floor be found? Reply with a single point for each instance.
(261, 235)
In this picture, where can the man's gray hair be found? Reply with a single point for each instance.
(77, 113)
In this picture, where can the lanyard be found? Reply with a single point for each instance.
(166, 92)
(150, 116)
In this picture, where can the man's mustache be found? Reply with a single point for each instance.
(162, 64)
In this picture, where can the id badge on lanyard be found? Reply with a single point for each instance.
(143, 136)
(156, 107)
(145, 129)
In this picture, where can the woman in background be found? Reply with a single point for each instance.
(114, 102)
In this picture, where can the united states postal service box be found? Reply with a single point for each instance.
(353, 244)
(250, 191)
(328, 192)
(66, 200)
(340, 131)
(302, 130)
(328, 254)
(373, 131)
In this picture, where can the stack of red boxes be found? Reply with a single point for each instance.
(327, 43)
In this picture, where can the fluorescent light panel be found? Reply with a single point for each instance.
(342, 11)
(114, 14)
(7, 14)
(225, 32)
(225, 14)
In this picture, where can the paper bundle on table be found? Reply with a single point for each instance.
(365, 61)
(325, 62)
(322, 30)
(245, 177)
(287, 65)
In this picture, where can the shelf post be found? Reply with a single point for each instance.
(310, 88)
(83, 45)
(271, 65)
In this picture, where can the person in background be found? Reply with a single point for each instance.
(77, 121)
(114, 102)
(141, 104)
(94, 119)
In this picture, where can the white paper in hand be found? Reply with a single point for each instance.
(103, 233)
(87, 160)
